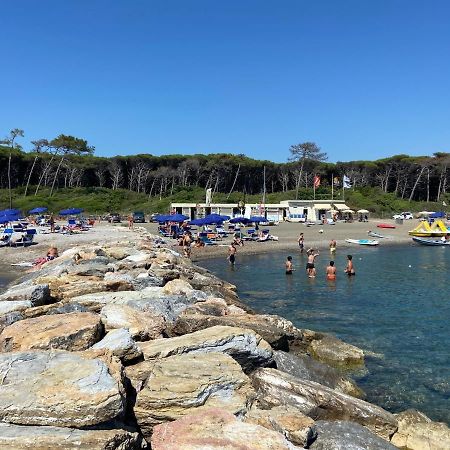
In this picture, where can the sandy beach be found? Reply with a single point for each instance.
(288, 233)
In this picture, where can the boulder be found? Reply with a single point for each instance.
(418, 432)
(118, 253)
(9, 318)
(121, 344)
(76, 331)
(90, 268)
(216, 429)
(335, 352)
(277, 388)
(245, 346)
(306, 368)
(61, 389)
(7, 307)
(343, 435)
(68, 308)
(298, 428)
(25, 437)
(273, 329)
(143, 325)
(179, 384)
(177, 287)
(36, 294)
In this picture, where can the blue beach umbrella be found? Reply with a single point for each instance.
(215, 218)
(243, 220)
(70, 211)
(197, 222)
(8, 218)
(9, 212)
(257, 219)
(176, 218)
(38, 210)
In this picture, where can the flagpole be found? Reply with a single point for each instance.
(314, 186)
(332, 186)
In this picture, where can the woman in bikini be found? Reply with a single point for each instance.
(331, 271)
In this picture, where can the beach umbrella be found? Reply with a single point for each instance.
(197, 222)
(70, 211)
(362, 211)
(161, 218)
(8, 218)
(38, 210)
(215, 218)
(9, 212)
(242, 220)
(176, 218)
(258, 219)
(349, 211)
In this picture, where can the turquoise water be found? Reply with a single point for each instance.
(397, 307)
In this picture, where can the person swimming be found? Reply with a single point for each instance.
(350, 270)
(289, 266)
(331, 271)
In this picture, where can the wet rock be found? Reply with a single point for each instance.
(180, 384)
(335, 352)
(298, 428)
(418, 432)
(244, 345)
(343, 435)
(62, 389)
(143, 325)
(36, 294)
(121, 344)
(306, 368)
(24, 437)
(76, 331)
(277, 388)
(274, 329)
(216, 429)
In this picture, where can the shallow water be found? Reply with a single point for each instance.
(397, 307)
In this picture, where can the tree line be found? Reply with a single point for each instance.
(67, 161)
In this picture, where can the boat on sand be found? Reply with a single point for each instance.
(385, 225)
(431, 242)
(370, 242)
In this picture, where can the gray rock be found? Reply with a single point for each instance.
(90, 267)
(68, 308)
(306, 368)
(9, 318)
(343, 435)
(36, 294)
(10, 306)
(57, 388)
(319, 402)
(121, 344)
(141, 283)
(25, 437)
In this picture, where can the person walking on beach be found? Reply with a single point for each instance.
(51, 221)
(349, 270)
(331, 271)
(301, 242)
(310, 267)
(130, 221)
(232, 253)
(289, 266)
(332, 245)
(186, 242)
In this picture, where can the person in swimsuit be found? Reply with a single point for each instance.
(301, 242)
(289, 266)
(349, 270)
(331, 271)
(310, 268)
(332, 245)
(232, 253)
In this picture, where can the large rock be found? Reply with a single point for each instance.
(216, 429)
(62, 389)
(335, 352)
(177, 287)
(277, 388)
(121, 344)
(418, 432)
(343, 435)
(245, 346)
(36, 294)
(306, 368)
(273, 329)
(25, 437)
(179, 384)
(91, 268)
(7, 307)
(142, 325)
(75, 331)
(298, 428)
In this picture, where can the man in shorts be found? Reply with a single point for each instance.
(232, 253)
(310, 267)
(301, 242)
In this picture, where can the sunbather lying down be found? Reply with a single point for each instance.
(52, 253)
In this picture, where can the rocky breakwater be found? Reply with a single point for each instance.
(131, 346)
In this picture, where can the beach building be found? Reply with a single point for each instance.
(290, 210)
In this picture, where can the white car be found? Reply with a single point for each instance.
(404, 216)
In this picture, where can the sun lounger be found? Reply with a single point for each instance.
(26, 238)
(207, 241)
(5, 240)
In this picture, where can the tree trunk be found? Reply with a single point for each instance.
(9, 179)
(56, 175)
(234, 182)
(416, 183)
(29, 176)
(41, 178)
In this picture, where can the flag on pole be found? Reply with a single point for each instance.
(347, 184)
(316, 181)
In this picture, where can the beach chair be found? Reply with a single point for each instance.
(251, 235)
(5, 240)
(207, 241)
(26, 239)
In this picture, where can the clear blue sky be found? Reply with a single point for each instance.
(363, 79)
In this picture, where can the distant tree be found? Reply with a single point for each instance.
(39, 145)
(68, 145)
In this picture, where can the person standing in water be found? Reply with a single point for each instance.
(331, 271)
(349, 270)
(232, 253)
(332, 245)
(289, 266)
(301, 242)
(310, 267)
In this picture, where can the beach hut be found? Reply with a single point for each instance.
(363, 215)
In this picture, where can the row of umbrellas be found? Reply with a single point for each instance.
(11, 215)
(209, 219)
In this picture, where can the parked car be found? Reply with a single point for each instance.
(153, 217)
(138, 217)
(114, 218)
(404, 215)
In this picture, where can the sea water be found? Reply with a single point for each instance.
(397, 308)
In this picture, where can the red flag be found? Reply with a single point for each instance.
(316, 181)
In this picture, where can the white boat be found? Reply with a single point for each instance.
(371, 242)
(377, 235)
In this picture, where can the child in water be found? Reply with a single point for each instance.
(349, 270)
(331, 271)
(289, 266)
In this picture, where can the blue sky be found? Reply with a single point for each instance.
(362, 79)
